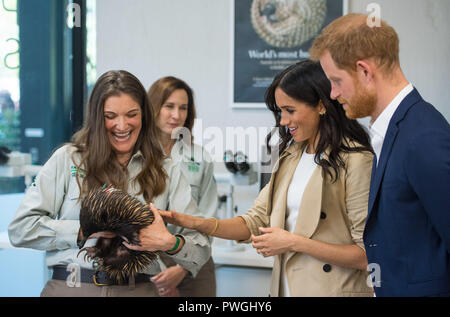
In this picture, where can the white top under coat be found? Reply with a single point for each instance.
(302, 175)
(303, 172)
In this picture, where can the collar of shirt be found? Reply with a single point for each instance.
(135, 164)
(182, 152)
(136, 155)
(379, 128)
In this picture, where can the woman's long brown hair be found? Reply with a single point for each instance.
(98, 160)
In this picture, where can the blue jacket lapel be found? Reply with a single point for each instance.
(378, 171)
(372, 182)
(391, 134)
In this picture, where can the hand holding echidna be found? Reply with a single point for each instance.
(155, 237)
(116, 220)
(207, 226)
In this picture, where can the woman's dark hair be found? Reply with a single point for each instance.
(306, 82)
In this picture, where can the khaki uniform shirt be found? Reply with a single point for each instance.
(48, 217)
(198, 168)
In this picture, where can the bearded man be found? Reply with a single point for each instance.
(407, 232)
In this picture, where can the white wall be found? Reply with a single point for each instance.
(191, 39)
(424, 30)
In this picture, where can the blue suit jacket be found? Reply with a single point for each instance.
(407, 231)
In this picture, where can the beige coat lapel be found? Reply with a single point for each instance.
(309, 211)
(281, 182)
(310, 208)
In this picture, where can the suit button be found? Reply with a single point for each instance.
(327, 268)
(323, 215)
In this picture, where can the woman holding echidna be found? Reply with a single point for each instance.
(118, 145)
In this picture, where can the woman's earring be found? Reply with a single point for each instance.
(324, 110)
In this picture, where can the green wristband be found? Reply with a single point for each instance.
(177, 244)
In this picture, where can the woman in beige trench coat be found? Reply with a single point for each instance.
(311, 214)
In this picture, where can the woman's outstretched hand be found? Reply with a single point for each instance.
(179, 219)
(154, 237)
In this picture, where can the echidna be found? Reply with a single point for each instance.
(114, 216)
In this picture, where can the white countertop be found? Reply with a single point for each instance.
(4, 241)
(225, 252)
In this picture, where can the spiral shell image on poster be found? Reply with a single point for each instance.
(270, 35)
(287, 23)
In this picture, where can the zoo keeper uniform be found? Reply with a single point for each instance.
(198, 168)
(48, 219)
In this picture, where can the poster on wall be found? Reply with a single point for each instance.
(270, 35)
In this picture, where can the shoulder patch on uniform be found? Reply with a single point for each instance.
(74, 171)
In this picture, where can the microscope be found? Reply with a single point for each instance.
(241, 173)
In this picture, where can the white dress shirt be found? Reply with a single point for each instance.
(379, 128)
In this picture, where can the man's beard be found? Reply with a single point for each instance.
(362, 104)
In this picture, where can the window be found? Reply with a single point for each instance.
(47, 66)
(91, 45)
(9, 89)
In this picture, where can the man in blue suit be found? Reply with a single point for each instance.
(407, 233)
